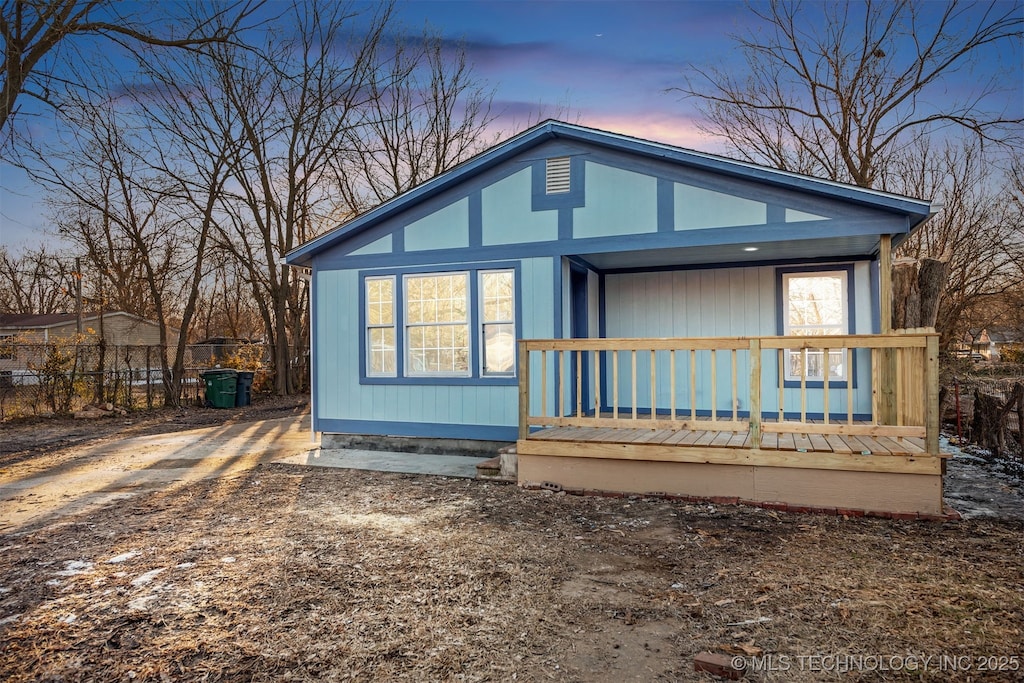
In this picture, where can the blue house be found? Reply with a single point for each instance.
(638, 317)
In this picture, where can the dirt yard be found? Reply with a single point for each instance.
(294, 573)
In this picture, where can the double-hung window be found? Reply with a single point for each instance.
(816, 304)
(498, 322)
(456, 324)
(380, 326)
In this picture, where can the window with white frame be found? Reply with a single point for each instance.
(437, 324)
(380, 326)
(816, 304)
(497, 322)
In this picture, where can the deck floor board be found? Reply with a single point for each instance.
(633, 433)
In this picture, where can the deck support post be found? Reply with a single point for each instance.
(755, 394)
(524, 390)
(931, 403)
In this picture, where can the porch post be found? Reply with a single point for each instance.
(524, 390)
(885, 283)
(887, 364)
(931, 393)
(755, 393)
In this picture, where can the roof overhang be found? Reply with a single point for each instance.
(917, 211)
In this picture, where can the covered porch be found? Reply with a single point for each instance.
(841, 421)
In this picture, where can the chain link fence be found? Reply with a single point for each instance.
(58, 377)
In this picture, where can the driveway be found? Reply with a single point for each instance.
(37, 491)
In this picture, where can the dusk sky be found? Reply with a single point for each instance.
(605, 64)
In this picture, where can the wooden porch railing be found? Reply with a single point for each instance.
(897, 392)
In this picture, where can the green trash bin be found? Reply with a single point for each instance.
(220, 387)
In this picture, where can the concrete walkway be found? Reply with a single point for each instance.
(385, 461)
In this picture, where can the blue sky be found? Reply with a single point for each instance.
(606, 64)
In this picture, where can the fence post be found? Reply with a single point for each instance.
(755, 393)
(149, 378)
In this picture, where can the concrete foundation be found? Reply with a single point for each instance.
(406, 444)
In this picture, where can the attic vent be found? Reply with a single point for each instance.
(557, 175)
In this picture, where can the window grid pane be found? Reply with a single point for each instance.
(437, 328)
(381, 350)
(498, 322)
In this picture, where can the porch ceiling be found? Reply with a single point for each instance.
(859, 246)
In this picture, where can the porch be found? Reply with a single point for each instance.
(845, 421)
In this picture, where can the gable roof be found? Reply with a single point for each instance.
(917, 210)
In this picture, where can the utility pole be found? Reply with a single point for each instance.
(78, 293)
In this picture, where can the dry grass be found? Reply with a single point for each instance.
(304, 574)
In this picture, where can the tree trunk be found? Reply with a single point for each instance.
(904, 281)
(931, 279)
(986, 425)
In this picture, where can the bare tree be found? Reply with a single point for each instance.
(426, 113)
(34, 30)
(838, 95)
(36, 281)
(977, 232)
(295, 97)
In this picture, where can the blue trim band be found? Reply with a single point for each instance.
(783, 232)
(424, 430)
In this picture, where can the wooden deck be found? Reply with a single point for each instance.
(870, 444)
(846, 444)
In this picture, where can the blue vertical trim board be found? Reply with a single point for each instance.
(476, 376)
(602, 332)
(666, 205)
(361, 315)
(313, 353)
(475, 331)
(557, 327)
(775, 213)
(398, 241)
(579, 324)
(476, 219)
(876, 298)
(565, 224)
(559, 332)
(780, 309)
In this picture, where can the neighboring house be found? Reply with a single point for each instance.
(120, 329)
(615, 305)
(986, 344)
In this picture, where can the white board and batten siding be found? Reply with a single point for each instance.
(726, 302)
